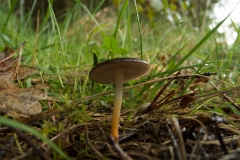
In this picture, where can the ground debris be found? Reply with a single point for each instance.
(15, 101)
(168, 130)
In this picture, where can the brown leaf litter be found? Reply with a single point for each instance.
(15, 101)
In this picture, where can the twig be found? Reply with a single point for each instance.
(153, 131)
(174, 142)
(7, 145)
(87, 98)
(162, 90)
(234, 155)
(201, 98)
(90, 144)
(121, 153)
(181, 147)
(30, 143)
(162, 102)
(18, 62)
(214, 142)
(9, 56)
(226, 97)
(223, 146)
(142, 155)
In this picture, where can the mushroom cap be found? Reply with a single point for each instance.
(131, 67)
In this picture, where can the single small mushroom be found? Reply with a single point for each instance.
(117, 71)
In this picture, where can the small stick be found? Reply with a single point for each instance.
(90, 144)
(121, 153)
(162, 90)
(18, 63)
(30, 143)
(226, 97)
(220, 139)
(9, 56)
(181, 147)
(155, 103)
(87, 98)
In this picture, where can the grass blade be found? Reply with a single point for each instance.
(201, 42)
(119, 18)
(90, 14)
(26, 128)
(139, 29)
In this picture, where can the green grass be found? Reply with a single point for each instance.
(63, 50)
(26, 128)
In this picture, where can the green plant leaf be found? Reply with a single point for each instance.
(120, 51)
(110, 42)
(120, 17)
(234, 26)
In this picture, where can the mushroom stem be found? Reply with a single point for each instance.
(117, 103)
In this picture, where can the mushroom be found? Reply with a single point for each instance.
(117, 71)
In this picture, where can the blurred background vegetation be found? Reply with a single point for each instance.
(175, 11)
(62, 37)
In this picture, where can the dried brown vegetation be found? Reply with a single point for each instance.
(165, 128)
(15, 101)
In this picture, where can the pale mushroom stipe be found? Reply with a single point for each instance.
(117, 71)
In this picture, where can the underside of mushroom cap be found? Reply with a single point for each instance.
(131, 68)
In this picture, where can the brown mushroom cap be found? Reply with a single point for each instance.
(131, 67)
